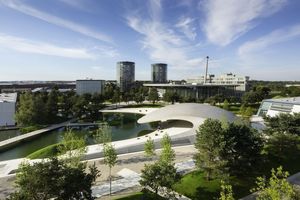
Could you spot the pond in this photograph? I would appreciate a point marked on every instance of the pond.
(124, 126)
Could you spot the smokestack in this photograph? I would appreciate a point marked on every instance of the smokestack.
(207, 57)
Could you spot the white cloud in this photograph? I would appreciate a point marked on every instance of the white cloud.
(185, 24)
(28, 10)
(160, 41)
(275, 37)
(29, 46)
(227, 20)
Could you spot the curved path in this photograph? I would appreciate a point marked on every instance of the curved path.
(179, 136)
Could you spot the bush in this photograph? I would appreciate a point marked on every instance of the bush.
(49, 151)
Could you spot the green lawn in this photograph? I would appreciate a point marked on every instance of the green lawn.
(195, 186)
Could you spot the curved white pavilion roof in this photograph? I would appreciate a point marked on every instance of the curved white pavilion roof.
(192, 112)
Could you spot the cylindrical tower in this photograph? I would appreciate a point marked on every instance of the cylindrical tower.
(125, 75)
(159, 72)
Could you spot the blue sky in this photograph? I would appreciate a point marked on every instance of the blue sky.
(75, 39)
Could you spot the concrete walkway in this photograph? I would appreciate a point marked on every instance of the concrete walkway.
(15, 140)
(131, 179)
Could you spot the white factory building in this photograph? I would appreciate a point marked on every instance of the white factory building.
(90, 86)
(7, 109)
(241, 82)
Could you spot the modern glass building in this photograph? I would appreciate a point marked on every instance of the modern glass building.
(273, 107)
(89, 86)
(125, 75)
(159, 73)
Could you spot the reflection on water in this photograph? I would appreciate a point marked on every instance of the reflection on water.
(124, 126)
(4, 135)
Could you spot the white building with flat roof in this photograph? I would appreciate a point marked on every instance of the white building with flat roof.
(7, 109)
(90, 86)
(223, 79)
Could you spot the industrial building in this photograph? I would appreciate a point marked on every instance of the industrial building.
(273, 107)
(7, 109)
(159, 73)
(90, 86)
(223, 79)
(125, 75)
(195, 91)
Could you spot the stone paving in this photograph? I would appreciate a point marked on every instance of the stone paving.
(131, 179)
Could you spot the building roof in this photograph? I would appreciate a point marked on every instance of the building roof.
(187, 85)
(8, 97)
(290, 100)
(192, 112)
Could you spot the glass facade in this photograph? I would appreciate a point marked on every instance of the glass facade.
(159, 73)
(125, 75)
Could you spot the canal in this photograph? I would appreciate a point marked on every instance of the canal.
(123, 126)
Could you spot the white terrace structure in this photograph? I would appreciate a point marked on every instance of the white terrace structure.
(272, 107)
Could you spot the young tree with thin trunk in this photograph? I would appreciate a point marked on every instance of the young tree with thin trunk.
(72, 148)
(110, 159)
(167, 153)
(103, 134)
(149, 148)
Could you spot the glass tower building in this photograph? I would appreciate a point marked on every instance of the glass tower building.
(125, 75)
(159, 73)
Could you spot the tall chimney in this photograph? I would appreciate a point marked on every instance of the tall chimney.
(206, 69)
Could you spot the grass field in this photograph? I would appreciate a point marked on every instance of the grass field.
(195, 186)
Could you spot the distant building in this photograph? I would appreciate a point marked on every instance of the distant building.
(196, 88)
(89, 86)
(273, 107)
(125, 75)
(195, 91)
(159, 73)
(224, 79)
(7, 109)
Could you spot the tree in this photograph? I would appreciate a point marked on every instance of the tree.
(38, 107)
(210, 144)
(54, 179)
(160, 177)
(280, 146)
(153, 95)
(226, 104)
(103, 134)
(283, 124)
(250, 98)
(242, 110)
(226, 192)
(149, 148)
(171, 97)
(167, 154)
(24, 114)
(248, 112)
(276, 188)
(116, 97)
(72, 148)
(52, 106)
(110, 159)
(242, 150)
